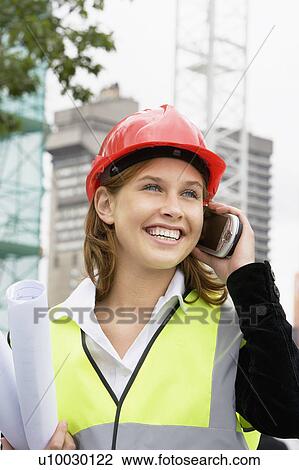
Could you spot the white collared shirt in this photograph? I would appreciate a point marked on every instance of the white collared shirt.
(117, 371)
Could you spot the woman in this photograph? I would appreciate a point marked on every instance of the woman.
(176, 373)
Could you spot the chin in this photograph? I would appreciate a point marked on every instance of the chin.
(163, 264)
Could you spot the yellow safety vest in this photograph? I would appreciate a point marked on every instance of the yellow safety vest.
(181, 394)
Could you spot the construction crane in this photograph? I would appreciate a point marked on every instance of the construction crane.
(210, 82)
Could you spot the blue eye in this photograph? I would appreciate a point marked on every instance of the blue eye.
(150, 186)
(194, 194)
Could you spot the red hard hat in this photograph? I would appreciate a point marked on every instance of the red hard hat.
(154, 130)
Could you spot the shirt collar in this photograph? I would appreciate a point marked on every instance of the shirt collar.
(80, 304)
(174, 292)
(84, 294)
(82, 297)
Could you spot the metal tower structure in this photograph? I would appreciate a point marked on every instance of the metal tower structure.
(210, 83)
(21, 191)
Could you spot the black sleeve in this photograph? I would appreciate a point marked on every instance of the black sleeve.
(267, 381)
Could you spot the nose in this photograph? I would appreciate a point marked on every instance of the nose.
(172, 207)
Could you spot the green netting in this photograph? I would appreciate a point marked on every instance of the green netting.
(21, 190)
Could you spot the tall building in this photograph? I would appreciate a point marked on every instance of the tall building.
(258, 187)
(259, 192)
(74, 144)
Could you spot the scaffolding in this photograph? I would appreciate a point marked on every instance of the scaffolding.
(21, 191)
(210, 83)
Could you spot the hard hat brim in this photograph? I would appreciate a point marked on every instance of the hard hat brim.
(216, 164)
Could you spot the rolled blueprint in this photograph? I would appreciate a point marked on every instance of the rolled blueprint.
(31, 348)
(11, 424)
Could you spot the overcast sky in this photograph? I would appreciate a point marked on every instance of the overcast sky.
(143, 66)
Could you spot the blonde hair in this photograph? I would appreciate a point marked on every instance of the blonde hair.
(100, 253)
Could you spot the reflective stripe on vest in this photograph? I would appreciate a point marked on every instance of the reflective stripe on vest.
(181, 394)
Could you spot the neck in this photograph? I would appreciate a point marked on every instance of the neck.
(136, 288)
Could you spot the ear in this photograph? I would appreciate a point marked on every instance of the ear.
(104, 205)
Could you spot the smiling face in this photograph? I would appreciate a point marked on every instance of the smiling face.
(165, 193)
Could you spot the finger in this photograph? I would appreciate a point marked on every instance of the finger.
(216, 203)
(220, 208)
(69, 443)
(57, 440)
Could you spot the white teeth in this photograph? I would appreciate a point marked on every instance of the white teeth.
(163, 238)
(164, 233)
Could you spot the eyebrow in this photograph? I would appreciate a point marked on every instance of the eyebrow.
(160, 180)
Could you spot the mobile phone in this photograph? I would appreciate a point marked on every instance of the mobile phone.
(220, 233)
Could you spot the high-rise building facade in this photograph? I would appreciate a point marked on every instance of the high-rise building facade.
(259, 192)
(258, 188)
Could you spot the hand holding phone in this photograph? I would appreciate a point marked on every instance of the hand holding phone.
(220, 233)
(244, 249)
